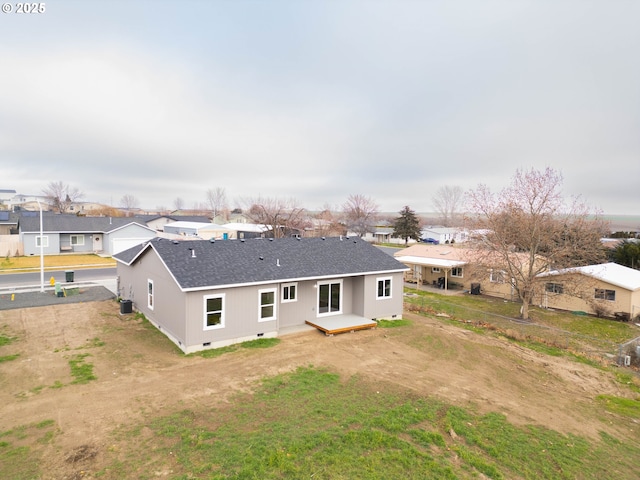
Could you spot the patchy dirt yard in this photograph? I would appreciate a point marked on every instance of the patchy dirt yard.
(141, 374)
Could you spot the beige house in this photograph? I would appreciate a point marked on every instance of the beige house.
(453, 267)
(607, 289)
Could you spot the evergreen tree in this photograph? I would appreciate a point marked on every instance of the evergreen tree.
(407, 225)
(627, 253)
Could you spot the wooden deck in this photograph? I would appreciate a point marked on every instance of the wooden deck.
(341, 324)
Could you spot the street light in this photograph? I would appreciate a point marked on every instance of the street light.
(41, 251)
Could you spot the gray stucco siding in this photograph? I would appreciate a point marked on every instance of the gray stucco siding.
(241, 315)
(383, 307)
(84, 242)
(168, 310)
(302, 309)
(127, 232)
(29, 243)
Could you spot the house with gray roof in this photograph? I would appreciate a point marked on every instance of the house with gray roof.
(208, 294)
(78, 234)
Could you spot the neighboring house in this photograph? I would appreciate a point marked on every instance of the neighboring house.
(204, 231)
(606, 289)
(226, 217)
(85, 208)
(157, 222)
(29, 202)
(455, 266)
(5, 198)
(8, 223)
(207, 294)
(435, 265)
(383, 235)
(71, 233)
(444, 235)
(249, 230)
(10, 245)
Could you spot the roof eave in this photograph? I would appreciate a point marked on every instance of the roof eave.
(289, 280)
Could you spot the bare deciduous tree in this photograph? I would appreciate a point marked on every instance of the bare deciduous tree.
(327, 223)
(361, 214)
(178, 203)
(217, 201)
(529, 229)
(62, 195)
(282, 217)
(446, 201)
(129, 202)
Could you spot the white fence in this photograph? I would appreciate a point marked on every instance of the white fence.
(10, 246)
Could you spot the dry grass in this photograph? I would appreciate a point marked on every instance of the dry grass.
(13, 264)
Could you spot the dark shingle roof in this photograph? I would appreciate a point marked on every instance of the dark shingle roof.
(73, 223)
(256, 260)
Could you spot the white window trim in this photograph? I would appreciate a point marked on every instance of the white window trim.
(384, 279)
(44, 239)
(151, 300)
(79, 240)
(329, 313)
(461, 272)
(435, 269)
(204, 312)
(496, 276)
(275, 304)
(286, 286)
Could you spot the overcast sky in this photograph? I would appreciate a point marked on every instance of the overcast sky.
(319, 99)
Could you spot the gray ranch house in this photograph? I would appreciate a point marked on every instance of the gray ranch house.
(207, 294)
(75, 234)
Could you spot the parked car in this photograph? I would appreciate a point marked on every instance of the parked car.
(430, 240)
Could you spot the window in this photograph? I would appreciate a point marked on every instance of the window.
(603, 294)
(384, 288)
(435, 270)
(150, 294)
(289, 292)
(456, 272)
(42, 241)
(496, 276)
(329, 298)
(267, 304)
(213, 311)
(553, 287)
(77, 239)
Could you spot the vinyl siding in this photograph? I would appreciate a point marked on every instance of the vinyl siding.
(169, 302)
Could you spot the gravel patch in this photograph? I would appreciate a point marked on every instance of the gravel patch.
(40, 299)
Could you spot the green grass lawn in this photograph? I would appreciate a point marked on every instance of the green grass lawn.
(475, 309)
(310, 424)
(314, 424)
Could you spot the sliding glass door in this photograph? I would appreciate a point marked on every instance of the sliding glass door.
(330, 298)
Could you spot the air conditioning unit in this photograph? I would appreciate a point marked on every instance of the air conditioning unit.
(627, 360)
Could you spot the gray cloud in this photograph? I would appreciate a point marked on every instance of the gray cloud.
(319, 100)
